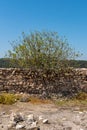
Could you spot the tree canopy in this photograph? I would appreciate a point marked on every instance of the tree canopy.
(41, 50)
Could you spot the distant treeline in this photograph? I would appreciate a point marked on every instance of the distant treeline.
(78, 63)
(6, 63)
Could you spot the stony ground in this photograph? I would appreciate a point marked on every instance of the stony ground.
(59, 118)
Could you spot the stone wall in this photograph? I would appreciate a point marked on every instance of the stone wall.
(37, 81)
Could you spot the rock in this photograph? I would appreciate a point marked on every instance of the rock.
(37, 128)
(3, 113)
(80, 112)
(44, 95)
(28, 127)
(11, 124)
(64, 119)
(40, 118)
(12, 116)
(24, 98)
(77, 120)
(30, 118)
(34, 124)
(45, 121)
(19, 126)
(18, 118)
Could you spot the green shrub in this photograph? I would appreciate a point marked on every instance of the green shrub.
(6, 98)
(42, 50)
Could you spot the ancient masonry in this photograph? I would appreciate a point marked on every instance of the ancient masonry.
(37, 81)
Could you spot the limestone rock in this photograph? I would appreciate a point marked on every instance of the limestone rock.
(19, 126)
(45, 121)
(40, 118)
(24, 98)
(30, 118)
(18, 118)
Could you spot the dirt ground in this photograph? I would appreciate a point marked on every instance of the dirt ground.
(59, 118)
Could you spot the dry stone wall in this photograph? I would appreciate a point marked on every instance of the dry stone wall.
(37, 81)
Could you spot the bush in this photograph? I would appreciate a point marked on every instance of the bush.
(41, 50)
(6, 98)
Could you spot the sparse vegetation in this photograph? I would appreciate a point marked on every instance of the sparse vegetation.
(70, 103)
(81, 96)
(79, 100)
(36, 100)
(6, 98)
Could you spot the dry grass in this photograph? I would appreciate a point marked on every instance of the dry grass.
(36, 100)
(79, 100)
(71, 103)
(7, 98)
(81, 96)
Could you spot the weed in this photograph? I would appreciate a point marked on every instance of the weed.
(6, 98)
(81, 96)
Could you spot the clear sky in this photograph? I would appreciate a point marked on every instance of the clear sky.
(67, 17)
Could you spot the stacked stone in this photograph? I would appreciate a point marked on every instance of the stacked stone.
(37, 81)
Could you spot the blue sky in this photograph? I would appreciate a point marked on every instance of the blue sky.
(67, 17)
